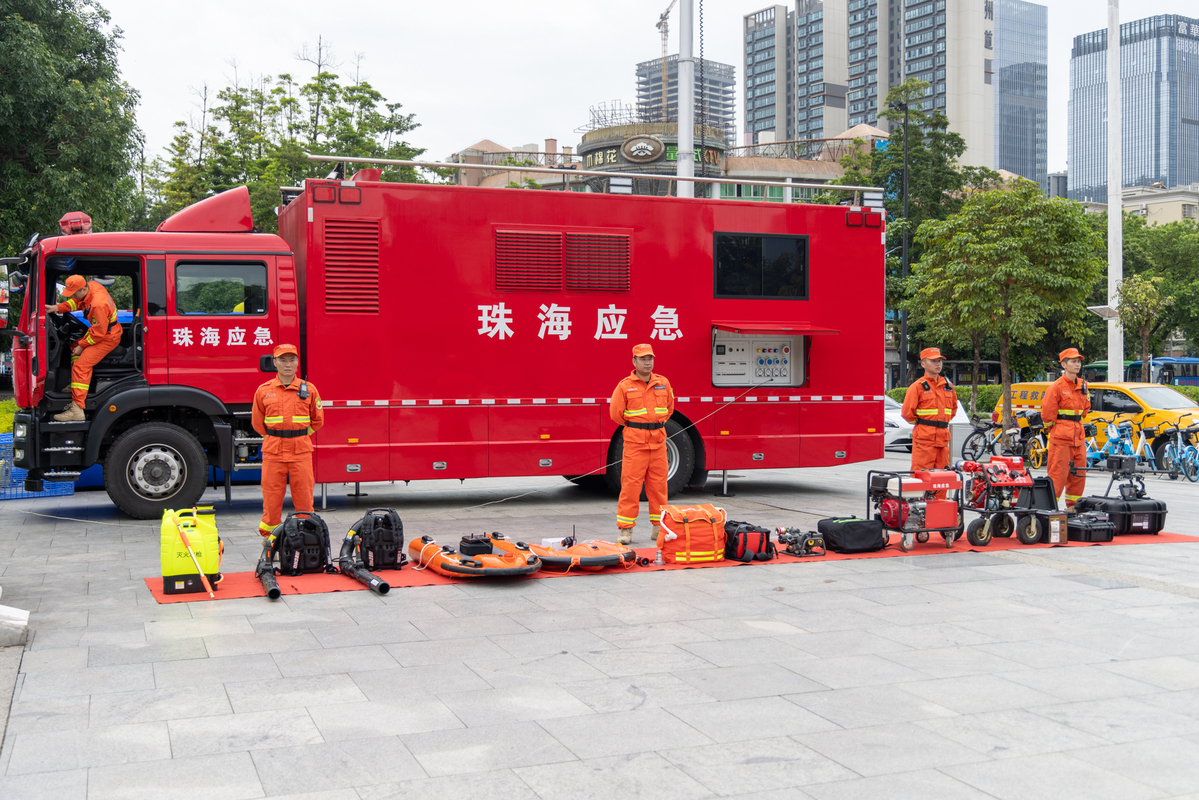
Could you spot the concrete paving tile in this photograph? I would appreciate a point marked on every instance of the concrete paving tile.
(445, 651)
(824, 601)
(884, 749)
(120, 633)
(1048, 776)
(867, 706)
(629, 775)
(264, 695)
(396, 614)
(1019, 627)
(281, 618)
(495, 785)
(521, 703)
(846, 619)
(640, 691)
(146, 652)
(1169, 672)
(51, 751)
(223, 669)
(58, 658)
(1138, 596)
(61, 785)
(925, 636)
(1170, 765)
(742, 628)
(141, 614)
(335, 765)
(47, 714)
(242, 644)
(468, 627)
(995, 693)
(851, 671)
(582, 601)
(1121, 719)
(1186, 702)
(383, 684)
(1010, 734)
(153, 705)
(508, 672)
(519, 744)
(487, 606)
(234, 733)
(649, 634)
(756, 766)
(641, 661)
(953, 662)
(405, 712)
(1041, 653)
(1075, 683)
(294, 663)
(833, 644)
(381, 633)
(647, 611)
(738, 606)
(1128, 644)
(919, 784)
(742, 652)
(229, 776)
(172, 629)
(898, 595)
(325, 602)
(55, 683)
(332, 794)
(740, 683)
(623, 732)
(755, 718)
(525, 645)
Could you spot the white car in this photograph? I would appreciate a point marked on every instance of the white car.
(898, 431)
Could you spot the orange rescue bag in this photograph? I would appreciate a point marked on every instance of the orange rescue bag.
(692, 534)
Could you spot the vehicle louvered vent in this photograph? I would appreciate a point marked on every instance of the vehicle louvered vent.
(597, 262)
(528, 260)
(351, 266)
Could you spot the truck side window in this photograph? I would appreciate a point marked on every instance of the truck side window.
(220, 289)
(752, 265)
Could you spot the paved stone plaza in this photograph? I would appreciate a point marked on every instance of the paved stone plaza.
(1054, 673)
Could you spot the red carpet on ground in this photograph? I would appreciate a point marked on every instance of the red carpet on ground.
(244, 584)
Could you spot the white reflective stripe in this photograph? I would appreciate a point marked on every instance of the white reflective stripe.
(772, 399)
(353, 402)
(408, 402)
(793, 397)
(564, 400)
(837, 397)
(462, 402)
(856, 396)
(729, 399)
(540, 401)
(816, 397)
(488, 402)
(380, 402)
(513, 401)
(592, 399)
(682, 399)
(702, 399)
(434, 402)
(751, 399)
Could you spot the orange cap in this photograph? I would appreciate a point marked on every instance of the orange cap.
(73, 284)
(1069, 352)
(283, 349)
(931, 352)
(642, 350)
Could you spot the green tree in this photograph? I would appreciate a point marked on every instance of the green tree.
(68, 138)
(1013, 258)
(1141, 304)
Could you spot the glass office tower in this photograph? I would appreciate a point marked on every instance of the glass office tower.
(1159, 84)
(1019, 71)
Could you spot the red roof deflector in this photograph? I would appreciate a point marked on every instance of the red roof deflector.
(788, 328)
(227, 212)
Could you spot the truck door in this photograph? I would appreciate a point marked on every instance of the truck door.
(221, 318)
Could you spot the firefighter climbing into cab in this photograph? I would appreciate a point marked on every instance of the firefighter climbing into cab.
(102, 336)
(287, 411)
(929, 405)
(1065, 403)
(642, 403)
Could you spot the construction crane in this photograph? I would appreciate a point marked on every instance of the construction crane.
(664, 26)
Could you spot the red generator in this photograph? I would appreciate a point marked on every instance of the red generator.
(907, 502)
(996, 490)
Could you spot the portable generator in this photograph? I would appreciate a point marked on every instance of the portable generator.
(907, 502)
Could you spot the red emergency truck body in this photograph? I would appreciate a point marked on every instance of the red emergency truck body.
(461, 332)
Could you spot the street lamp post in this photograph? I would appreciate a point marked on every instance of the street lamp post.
(903, 314)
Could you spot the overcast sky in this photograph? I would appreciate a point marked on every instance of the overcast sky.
(516, 72)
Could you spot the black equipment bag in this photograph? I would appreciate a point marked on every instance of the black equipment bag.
(1129, 516)
(852, 535)
(747, 542)
(1090, 526)
(381, 539)
(303, 545)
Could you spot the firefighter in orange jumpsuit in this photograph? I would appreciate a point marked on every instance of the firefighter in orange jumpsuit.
(1063, 407)
(929, 405)
(287, 411)
(642, 403)
(100, 339)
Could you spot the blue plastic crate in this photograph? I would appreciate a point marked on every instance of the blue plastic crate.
(12, 479)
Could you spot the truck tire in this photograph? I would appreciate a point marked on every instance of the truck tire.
(680, 459)
(155, 466)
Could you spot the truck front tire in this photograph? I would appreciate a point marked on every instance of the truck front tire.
(153, 467)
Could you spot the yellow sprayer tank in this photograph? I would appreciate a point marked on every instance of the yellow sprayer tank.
(179, 574)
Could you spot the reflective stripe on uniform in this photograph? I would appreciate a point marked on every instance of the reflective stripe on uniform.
(655, 517)
(273, 419)
(79, 386)
(89, 338)
(629, 520)
(661, 410)
(262, 526)
(301, 419)
(1069, 412)
(636, 412)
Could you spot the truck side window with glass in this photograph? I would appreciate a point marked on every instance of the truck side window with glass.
(755, 266)
(221, 289)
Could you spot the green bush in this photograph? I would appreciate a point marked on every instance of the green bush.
(7, 409)
(1190, 391)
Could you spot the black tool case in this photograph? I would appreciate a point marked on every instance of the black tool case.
(1129, 516)
(1090, 526)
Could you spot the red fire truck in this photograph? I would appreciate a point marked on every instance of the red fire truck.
(460, 332)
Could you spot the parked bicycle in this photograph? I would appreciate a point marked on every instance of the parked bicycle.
(1031, 444)
(1143, 449)
(986, 439)
(1175, 454)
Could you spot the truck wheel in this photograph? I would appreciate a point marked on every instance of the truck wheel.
(153, 467)
(680, 459)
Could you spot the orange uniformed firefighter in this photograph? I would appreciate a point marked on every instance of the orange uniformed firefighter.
(929, 405)
(287, 411)
(100, 339)
(642, 403)
(1063, 407)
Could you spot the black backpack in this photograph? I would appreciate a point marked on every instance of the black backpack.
(746, 542)
(380, 539)
(851, 535)
(303, 545)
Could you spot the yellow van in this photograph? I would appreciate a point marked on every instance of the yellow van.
(1147, 404)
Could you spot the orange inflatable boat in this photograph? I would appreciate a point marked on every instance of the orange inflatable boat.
(490, 555)
(590, 556)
